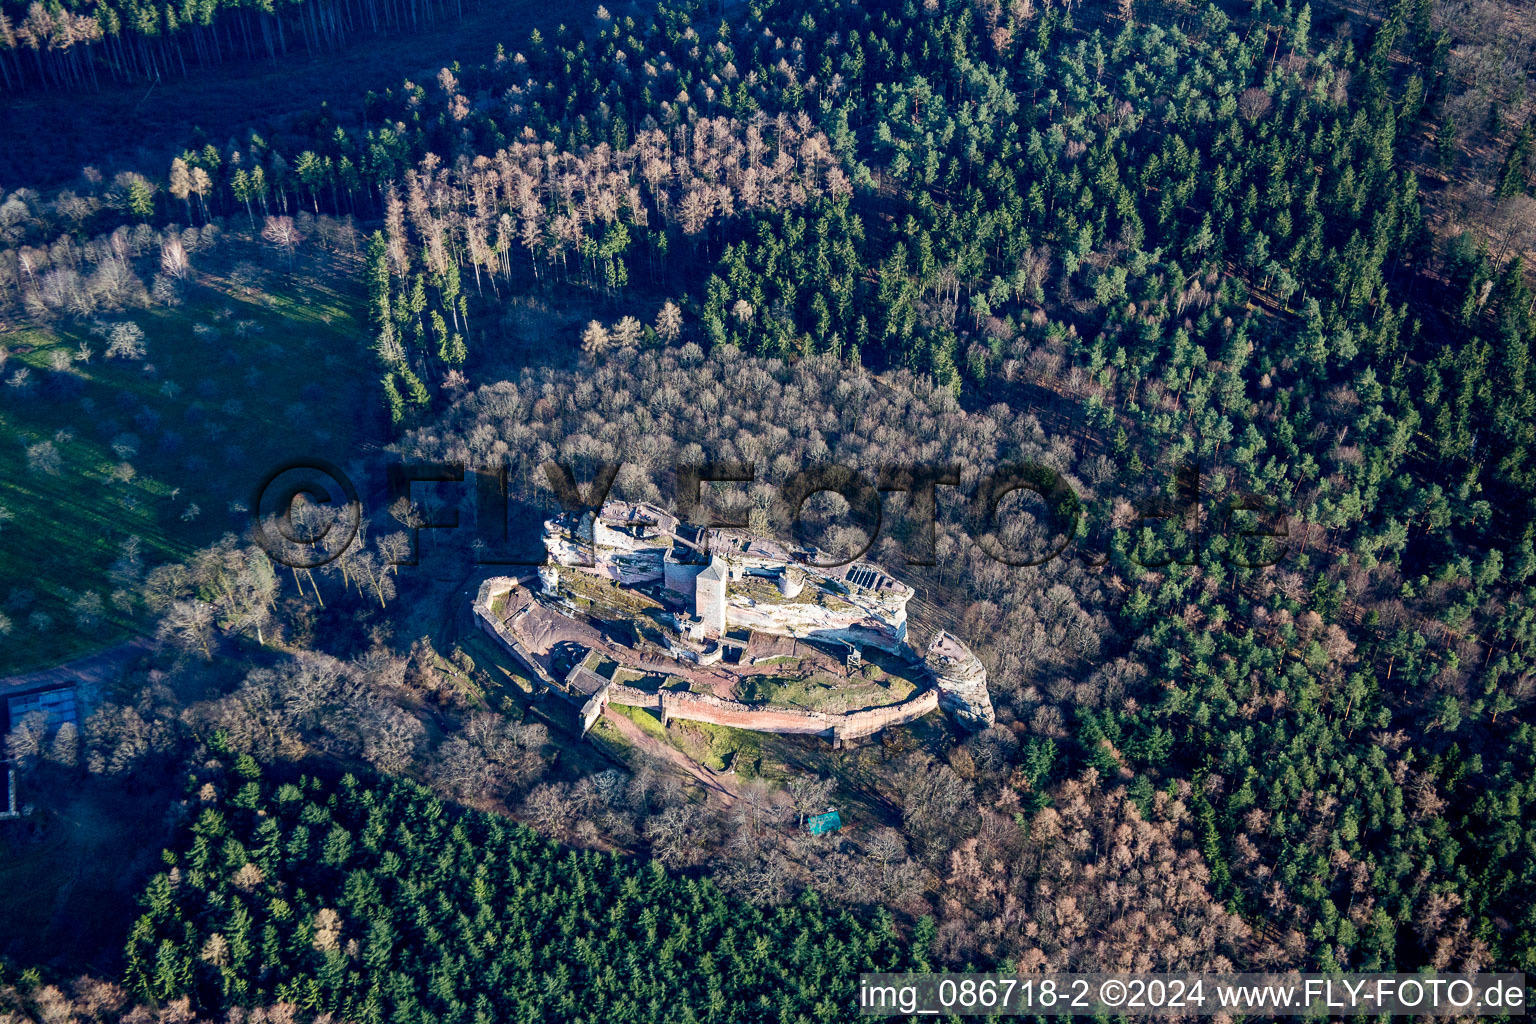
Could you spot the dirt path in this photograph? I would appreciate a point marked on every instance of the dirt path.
(92, 670)
(719, 788)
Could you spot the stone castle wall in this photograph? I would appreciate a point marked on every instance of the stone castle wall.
(492, 624)
(698, 707)
(679, 578)
(630, 559)
(702, 707)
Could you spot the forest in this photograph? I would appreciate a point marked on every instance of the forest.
(1215, 266)
(56, 45)
(444, 915)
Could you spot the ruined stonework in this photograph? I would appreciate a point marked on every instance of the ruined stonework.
(498, 626)
(709, 597)
(702, 707)
(730, 579)
(961, 680)
(502, 603)
(716, 586)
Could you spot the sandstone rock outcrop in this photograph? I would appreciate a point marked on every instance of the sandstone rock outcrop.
(961, 680)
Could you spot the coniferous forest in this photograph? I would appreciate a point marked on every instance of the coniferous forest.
(77, 45)
(1254, 281)
(378, 902)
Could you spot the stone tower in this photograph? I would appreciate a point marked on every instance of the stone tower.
(709, 596)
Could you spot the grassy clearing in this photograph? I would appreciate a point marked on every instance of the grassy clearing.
(166, 449)
(645, 718)
(830, 694)
(602, 665)
(605, 736)
(501, 678)
(719, 746)
(715, 746)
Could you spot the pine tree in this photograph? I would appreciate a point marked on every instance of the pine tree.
(1513, 175)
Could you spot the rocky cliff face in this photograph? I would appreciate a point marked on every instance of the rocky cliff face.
(843, 620)
(961, 680)
(630, 562)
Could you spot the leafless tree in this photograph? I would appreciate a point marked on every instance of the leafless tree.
(626, 333)
(87, 609)
(173, 257)
(43, 457)
(669, 321)
(118, 738)
(678, 833)
(188, 626)
(125, 341)
(595, 339)
(64, 748)
(24, 743)
(281, 232)
(391, 737)
(810, 795)
(1254, 103)
(547, 805)
(757, 808)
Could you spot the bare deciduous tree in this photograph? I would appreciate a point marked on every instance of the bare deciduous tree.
(188, 626)
(24, 743)
(281, 232)
(626, 333)
(1254, 103)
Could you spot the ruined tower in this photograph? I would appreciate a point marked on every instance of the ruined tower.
(709, 596)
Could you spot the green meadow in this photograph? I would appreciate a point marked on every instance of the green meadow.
(114, 465)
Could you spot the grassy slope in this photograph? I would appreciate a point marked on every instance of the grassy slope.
(214, 415)
(820, 692)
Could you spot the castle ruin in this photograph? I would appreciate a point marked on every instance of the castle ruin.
(723, 595)
(726, 579)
